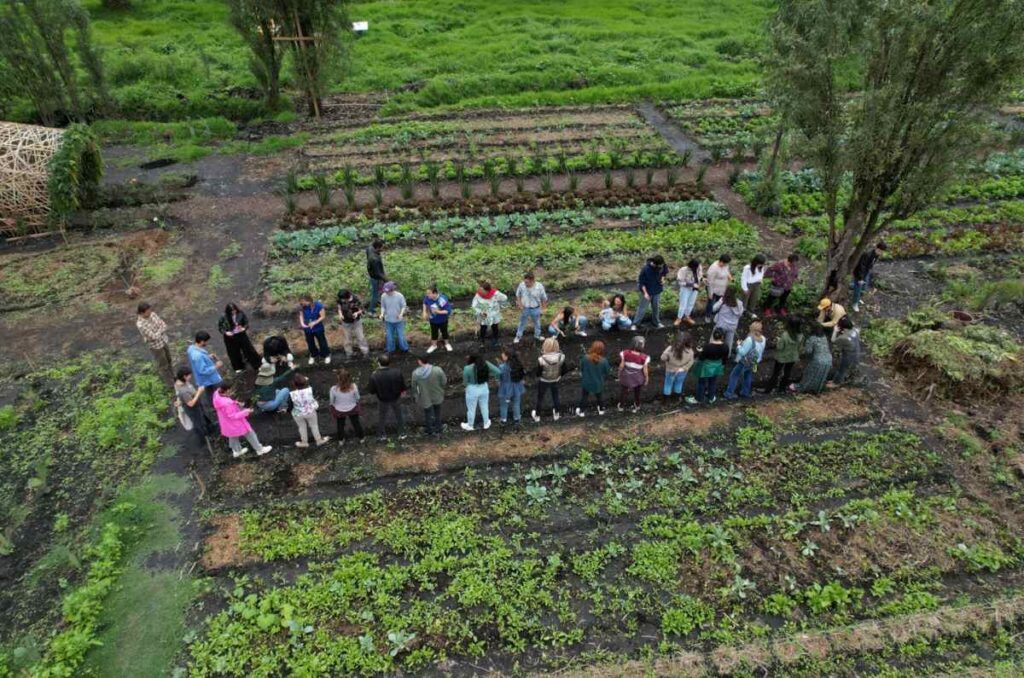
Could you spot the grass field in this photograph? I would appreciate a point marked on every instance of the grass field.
(174, 59)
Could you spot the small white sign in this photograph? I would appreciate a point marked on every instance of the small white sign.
(360, 26)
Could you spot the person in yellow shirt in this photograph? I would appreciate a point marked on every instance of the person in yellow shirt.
(829, 314)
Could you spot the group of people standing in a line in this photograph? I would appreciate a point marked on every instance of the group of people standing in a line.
(205, 396)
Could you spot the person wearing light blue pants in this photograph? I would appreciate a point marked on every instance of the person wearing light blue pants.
(475, 375)
(392, 310)
(511, 386)
(532, 299)
(748, 355)
(566, 322)
(279, 401)
(689, 279)
(614, 314)
(678, 359)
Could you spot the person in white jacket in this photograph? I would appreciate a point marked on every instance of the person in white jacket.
(750, 282)
(689, 279)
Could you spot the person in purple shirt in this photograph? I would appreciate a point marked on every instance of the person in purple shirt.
(651, 283)
(311, 317)
(437, 309)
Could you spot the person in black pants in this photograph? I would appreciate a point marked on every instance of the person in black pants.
(234, 326)
(388, 384)
(375, 271)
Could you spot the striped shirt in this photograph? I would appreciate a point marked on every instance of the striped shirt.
(153, 330)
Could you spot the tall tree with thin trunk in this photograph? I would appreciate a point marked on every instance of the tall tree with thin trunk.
(893, 94)
(319, 28)
(255, 22)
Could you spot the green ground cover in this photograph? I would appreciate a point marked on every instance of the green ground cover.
(177, 59)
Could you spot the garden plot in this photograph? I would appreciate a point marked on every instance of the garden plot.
(571, 249)
(736, 127)
(696, 539)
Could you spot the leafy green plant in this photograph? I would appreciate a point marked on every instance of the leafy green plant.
(74, 171)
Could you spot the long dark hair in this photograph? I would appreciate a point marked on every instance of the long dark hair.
(793, 327)
(567, 313)
(730, 297)
(757, 262)
(683, 341)
(231, 307)
(694, 265)
(512, 357)
(480, 368)
(344, 380)
(619, 296)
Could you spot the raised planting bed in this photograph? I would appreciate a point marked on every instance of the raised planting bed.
(726, 125)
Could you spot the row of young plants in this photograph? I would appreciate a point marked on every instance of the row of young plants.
(474, 568)
(568, 260)
(725, 126)
(494, 227)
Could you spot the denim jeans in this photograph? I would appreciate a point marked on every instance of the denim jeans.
(706, 388)
(316, 341)
(641, 309)
(394, 333)
(477, 396)
(687, 299)
(674, 383)
(859, 287)
(375, 288)
(432, 420)
(623, 323)
(280, 398)
(740, 373)
(582, 322)
(527, 315)
(709, 307)
(516, 400)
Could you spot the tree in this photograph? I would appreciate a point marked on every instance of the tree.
(892, 95)
(36, 55)
(254, 21)
(319, 55)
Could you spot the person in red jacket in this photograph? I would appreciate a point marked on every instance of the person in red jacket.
(781, 277)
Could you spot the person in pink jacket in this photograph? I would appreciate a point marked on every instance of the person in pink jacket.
(234, 422)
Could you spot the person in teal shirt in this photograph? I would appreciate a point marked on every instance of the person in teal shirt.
(594, 371)
(475, 375)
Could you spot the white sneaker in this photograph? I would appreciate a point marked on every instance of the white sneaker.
(636, 409)
(239, 371)
(516, 340)
(466, 427)
(263, 450)
(433, 347)
(448, 346)
(487, 424)
(312, 360)
(301, 444)
(632, 328)
(291, 358)
(600, 412)
(535, 416)
(555, 415)
(327, 360)
(325, 439)
(856, 308)
(619, 407)
(580, 333)
(242, 452)
(579, 412)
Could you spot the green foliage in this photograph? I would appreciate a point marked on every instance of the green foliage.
(75, 171)
(981, 557)
(8, 418)
(685, 614)
(832, 597)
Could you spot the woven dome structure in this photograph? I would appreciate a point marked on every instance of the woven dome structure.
(25, 154)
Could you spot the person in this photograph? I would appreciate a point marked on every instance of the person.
(475, 375)
(709, 367)
(819, 362)
(829, 315)
(486, 307)
(748, 357)
(350, 313)
(388, 384)
(205, 367)
(375, 269)
(234, 421)
(728, 311)
(847, 344)
(189, 396)
(304, 408)
(678, 359)
(550, 368)
(634, 372)
(233, 326)
(392, 311)
(862, 272)
(532, 299)
(511, 386)
(614, 315)
(271, 392)
(781, 275)
(437, 310)
(568, 321)
(345, 405)
(311, 318)
(688, 279)
(717, 278)
(651, 282)
(594, 371)
(154, 335)
(750, 282)
(787, 352)
(428, 384)
(276, 352)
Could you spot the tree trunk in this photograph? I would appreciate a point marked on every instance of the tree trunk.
(842, 255)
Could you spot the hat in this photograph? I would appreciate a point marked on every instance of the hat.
(390, 286)
(824, 303)
(265, 376)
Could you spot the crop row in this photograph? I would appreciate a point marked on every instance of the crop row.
(588, 257)
(493, 227)
(461, 569)
(726, 126)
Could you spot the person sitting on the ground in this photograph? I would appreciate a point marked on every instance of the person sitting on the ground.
(271, 393)
(277, 352)
(568, 321)
(614, 314)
